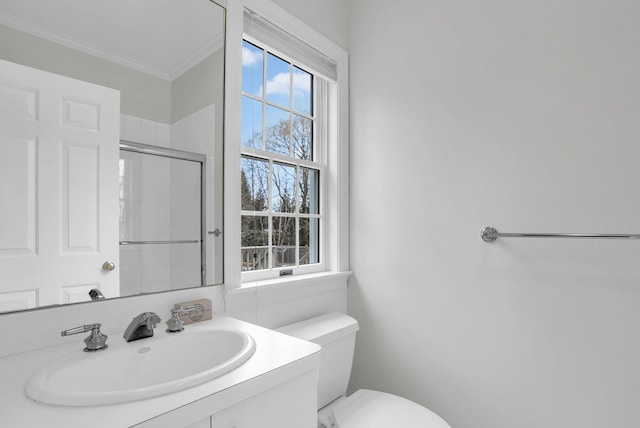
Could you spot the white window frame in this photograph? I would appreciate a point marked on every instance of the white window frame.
(335, 193)
(318, 163)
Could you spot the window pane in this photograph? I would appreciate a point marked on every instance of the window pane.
(280, 198)
(302, 130)
(283, 188)
(278, 80)
(309, 241)
(252, 69)
(284, 241)
(251, 123)
(309, 182)
(302, 90)
(254, 184)
(255, 242)
(277, 130)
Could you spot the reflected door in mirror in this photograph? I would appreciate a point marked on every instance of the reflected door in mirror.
(58, 218)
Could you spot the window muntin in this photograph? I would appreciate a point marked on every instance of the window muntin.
(252, 66)
(309, 188)
(251, 123)
(278, 80)
(255, 242)
(281, 177)
(302, 96)
(277, 130)
(254, 184)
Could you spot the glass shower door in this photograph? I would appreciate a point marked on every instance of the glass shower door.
(161, 245)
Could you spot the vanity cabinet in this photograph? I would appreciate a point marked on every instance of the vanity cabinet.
(203, 423)
(289, 405)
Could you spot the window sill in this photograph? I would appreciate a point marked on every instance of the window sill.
(288, 281)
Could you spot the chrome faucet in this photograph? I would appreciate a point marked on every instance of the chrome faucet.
(96, 340)
(175, 324)
(141, 326)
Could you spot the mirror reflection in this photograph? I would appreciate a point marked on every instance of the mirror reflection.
(111, 121)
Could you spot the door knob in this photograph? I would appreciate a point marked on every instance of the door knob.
(108, 266)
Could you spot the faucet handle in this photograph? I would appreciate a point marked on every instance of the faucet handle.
(96, 341)
(175, 324)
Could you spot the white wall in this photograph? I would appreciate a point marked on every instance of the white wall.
(329, 17)
(523, 116)
(273, 304)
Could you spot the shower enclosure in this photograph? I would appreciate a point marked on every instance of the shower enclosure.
(162, 202)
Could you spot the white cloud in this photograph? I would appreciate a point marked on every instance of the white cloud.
(250, 57)
(301, 83)
(279, 85)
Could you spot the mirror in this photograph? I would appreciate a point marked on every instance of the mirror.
(111, 149)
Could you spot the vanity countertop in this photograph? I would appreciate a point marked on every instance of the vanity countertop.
(277, 358)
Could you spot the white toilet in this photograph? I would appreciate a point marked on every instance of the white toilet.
(336, 333)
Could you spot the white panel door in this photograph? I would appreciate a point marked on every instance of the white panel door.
(59, 140)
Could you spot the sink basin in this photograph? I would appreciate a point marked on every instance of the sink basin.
(141, 369)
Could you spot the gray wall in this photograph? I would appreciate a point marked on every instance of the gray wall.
(199, 87)
(141, 94)
(520, 115)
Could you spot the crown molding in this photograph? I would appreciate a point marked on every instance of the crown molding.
(198, 56)
(126, 61)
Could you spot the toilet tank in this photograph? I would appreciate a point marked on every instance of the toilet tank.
(336, 334)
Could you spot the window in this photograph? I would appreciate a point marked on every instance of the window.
(282, 165)
(288, 148)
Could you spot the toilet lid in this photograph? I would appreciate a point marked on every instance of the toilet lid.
(373, 409)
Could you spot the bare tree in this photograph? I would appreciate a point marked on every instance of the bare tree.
(292, 138)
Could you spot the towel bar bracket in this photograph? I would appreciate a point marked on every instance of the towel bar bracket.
(490, 234)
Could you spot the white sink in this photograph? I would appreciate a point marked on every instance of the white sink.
(141, 369)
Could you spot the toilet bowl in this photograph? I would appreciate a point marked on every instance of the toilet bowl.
(336, 333)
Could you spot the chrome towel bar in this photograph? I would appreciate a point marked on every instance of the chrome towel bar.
(195, 241)
(490, 234)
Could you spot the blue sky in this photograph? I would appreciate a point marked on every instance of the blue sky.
(278, 88)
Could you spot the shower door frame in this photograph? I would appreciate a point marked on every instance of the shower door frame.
(147, 149)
